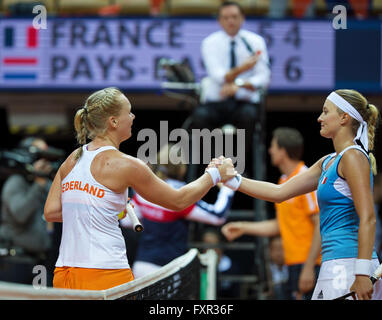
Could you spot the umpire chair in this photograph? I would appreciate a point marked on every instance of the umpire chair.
(179, 83)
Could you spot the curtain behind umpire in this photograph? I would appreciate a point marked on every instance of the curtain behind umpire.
(24, 237)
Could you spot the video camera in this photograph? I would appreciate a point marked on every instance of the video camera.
(21, 161)
(175, 71)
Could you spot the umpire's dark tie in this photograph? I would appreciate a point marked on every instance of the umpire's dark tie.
(233, 55)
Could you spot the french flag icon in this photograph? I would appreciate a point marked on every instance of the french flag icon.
(324, 180)
(31, 37)
(13, 62)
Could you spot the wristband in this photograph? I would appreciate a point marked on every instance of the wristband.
(234, 183)
(215, 175)
(362, 267)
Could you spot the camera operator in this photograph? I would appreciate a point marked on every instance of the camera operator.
(24, 234)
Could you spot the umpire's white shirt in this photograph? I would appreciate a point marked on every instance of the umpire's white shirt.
(215, 50)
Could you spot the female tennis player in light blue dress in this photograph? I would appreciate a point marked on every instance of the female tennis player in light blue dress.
(343, 181)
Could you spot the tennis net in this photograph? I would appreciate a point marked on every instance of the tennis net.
(189, 277)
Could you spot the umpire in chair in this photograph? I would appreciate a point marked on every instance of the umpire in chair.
(238, 72)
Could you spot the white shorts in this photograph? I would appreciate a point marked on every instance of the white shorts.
(142, 268)
(337, 276)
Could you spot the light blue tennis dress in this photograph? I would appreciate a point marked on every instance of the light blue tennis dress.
(339, 225)
(339, 220)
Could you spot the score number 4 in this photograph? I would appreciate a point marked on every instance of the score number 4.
(292, 70)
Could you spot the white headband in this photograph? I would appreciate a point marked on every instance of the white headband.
(362, 133)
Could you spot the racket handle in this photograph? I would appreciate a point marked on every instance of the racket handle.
(133, 218)
(345, 296)
(377, 274)
(373, 280)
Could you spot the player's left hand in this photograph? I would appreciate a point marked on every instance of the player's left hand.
(307, 279)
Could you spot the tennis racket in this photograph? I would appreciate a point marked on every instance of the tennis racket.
(137, 225)
(133, 217)
(376, 275)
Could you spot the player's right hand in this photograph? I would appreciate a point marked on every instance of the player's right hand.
(363, 287)
(226, 169)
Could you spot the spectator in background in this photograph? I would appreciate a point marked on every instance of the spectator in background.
(378, 212)
(355, 8)
(225, 266)
(278, 268)
(277, 9)
(23, 227)
(237, 65)
(297, 220)
(300, 8)
(303, 8)
(155, 7)
(166, 231)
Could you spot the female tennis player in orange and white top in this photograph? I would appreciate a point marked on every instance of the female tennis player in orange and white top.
(88, 193)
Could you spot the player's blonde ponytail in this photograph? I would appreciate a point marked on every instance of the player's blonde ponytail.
(369, 113)
(90, 120)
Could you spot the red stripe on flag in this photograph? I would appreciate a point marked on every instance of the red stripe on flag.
(32, 38)
(324, 180)
(20, 60)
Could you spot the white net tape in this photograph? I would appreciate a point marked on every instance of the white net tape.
(28, 292)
